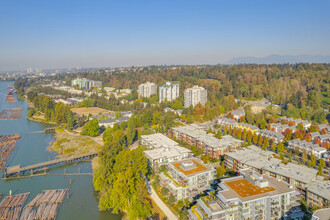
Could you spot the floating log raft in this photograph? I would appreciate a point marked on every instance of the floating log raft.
(7, 145)
(47, 203)
(9, 114)
(11, 206)
(10, 97)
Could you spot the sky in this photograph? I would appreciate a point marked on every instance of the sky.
(68, 33)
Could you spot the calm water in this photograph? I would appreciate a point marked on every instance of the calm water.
(83, 203)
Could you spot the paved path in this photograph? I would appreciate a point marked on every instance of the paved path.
(170, 215)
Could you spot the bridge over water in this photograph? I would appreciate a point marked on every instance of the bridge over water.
(21, 171)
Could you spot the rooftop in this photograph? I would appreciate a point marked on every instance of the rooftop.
(322, 214)
(242, 189)
(159, 140)
(191, 167)
(321, 188)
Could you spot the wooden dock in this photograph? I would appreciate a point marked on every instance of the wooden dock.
(29, 170)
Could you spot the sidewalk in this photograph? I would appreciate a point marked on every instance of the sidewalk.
(170, 215)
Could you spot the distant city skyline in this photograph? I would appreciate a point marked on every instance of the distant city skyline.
(62, 34)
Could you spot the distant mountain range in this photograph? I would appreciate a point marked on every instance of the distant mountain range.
(278, 59)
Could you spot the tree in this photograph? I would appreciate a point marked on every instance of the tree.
(313, 128)
(70, 120)
(184, 214)
(300, 126)
(249, 136)
(91, 128)
(244, 135)
(313, 161)
(220, 172)
(313, 99)
(131, 133)
(266, 143)
(31, 112)
(164, 191)
(280, 147)
(288, 133)
(260, 140)
(255, 138)
(171, 200)
(304, 157)
(273, 146)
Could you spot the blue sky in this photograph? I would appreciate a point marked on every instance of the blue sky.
(69, 33)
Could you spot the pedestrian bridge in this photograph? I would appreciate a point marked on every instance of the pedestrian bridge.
(29, 170)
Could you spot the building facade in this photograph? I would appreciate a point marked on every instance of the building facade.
(168, 92)
(147, 89)
(195, 95)
(249, 196)
(84, 83)
(187, 178)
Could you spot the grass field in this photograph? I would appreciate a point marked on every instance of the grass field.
(91, 110)
(66, 144)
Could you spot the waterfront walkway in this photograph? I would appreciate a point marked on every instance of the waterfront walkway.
(170, 215)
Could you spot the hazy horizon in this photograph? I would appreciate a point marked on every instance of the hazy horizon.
(63, 34)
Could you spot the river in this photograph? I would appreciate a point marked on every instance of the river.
(82, 203)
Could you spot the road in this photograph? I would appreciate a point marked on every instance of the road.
(170, 215)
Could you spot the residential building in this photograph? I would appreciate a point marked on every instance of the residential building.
(84, 83)
(300, 177)
(308, 147)
(195, 135)
(248, 196)
(321, 214)
(162, 150)
(147, 89)
(177, 111)
(227, 122)
(276, 136)
(168, 92)
(195, 95)
(107, 123)
(318, 194)
(237, 114)
(187, 178)
(110, 122)
(247, 126)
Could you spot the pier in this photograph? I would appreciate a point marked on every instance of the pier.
(30, 170)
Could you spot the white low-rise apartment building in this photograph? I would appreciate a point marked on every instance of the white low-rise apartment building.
(162, 150)
(308, 147)
(277, 136)
(300, 177)
(248, 196)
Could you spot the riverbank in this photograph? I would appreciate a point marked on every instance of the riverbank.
(66, 144)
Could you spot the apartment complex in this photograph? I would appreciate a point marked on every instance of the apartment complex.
(168, 92)
(187, 178)
(195, 95)
(318, 194)
(300, 177)
(308, 147)
(162, 150)
(195, 135)
(84, 83)
(147, 89)
(249, 196)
